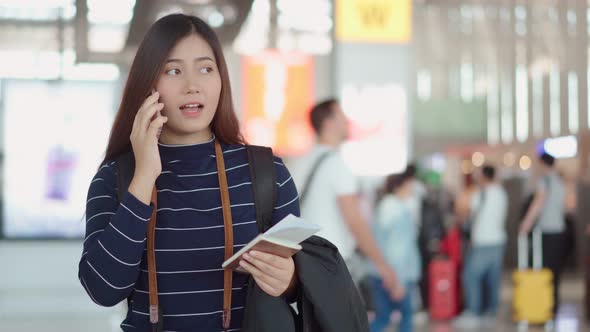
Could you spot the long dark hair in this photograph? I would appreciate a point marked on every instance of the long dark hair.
(149, 60)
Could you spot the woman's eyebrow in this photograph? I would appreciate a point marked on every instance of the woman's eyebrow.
(198, 59)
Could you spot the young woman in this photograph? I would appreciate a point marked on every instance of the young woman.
(397, 237)
(176, 105)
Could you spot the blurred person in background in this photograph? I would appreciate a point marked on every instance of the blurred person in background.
(546, 212)
(570, 205)
(329, 193)
(414, 201)
(483, 266)
(436, 205)
(463, 198)
(397, 237)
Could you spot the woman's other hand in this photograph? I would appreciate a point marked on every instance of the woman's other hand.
(274, 274)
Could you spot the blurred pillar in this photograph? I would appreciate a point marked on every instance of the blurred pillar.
(441, 70)
(455, 56)
(373, 68)
(510, 71)
(581, 68)
(546, 105)
(81, 29)
(506, 60)
(273, 33)
(564, 65)
(529, 61)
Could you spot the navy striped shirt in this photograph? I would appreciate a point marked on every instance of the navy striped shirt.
(189, 238)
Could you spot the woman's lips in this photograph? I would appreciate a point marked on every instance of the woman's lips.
(191, 112)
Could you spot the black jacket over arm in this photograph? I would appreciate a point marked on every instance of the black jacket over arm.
(328, 300)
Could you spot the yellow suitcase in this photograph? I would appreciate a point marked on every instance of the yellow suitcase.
(533, 287)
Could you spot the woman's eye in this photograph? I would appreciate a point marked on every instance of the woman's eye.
(206, 70)
(173, 72)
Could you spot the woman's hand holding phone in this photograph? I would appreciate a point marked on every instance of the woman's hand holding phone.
(144, 140)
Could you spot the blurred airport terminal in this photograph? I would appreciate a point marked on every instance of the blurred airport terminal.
(446, 86)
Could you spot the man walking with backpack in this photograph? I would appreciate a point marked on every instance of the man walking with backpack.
(329, 194)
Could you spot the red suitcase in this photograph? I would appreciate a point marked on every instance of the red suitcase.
(443, 292)
(451, 246)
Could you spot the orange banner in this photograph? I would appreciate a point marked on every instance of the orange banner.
(277, 92)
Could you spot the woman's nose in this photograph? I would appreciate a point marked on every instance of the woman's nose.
(192, 85)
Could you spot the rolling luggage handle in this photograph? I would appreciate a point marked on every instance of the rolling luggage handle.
(523, 253)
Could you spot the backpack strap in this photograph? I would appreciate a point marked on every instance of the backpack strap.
(264, 179)
(125, 165)
(311, 176)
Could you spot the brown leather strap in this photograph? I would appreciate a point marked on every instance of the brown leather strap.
(229, 235)
(151, 256)
(155, 315)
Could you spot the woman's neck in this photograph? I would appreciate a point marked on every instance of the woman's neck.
(196, 138)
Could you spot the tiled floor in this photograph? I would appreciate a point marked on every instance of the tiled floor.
(70, 310)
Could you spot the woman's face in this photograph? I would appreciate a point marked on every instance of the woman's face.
(189, 86)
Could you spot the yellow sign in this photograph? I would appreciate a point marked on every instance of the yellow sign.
(381, 21)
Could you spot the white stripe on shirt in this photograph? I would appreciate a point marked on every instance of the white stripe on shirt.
(184, 272)
(203, 210)
(189, 292)
(282, 206)
(231, 169)
(282, 184)
(186, 315)
(210, 173)
(127, 237)
(99, 214)
(103, 196)
(195, 175)
(238, 149)
(202, 228)
(228, 151)
(89, 235)
(197, 249)
(103, 279)
(133, 213)
(115, 258)
(202, 189)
